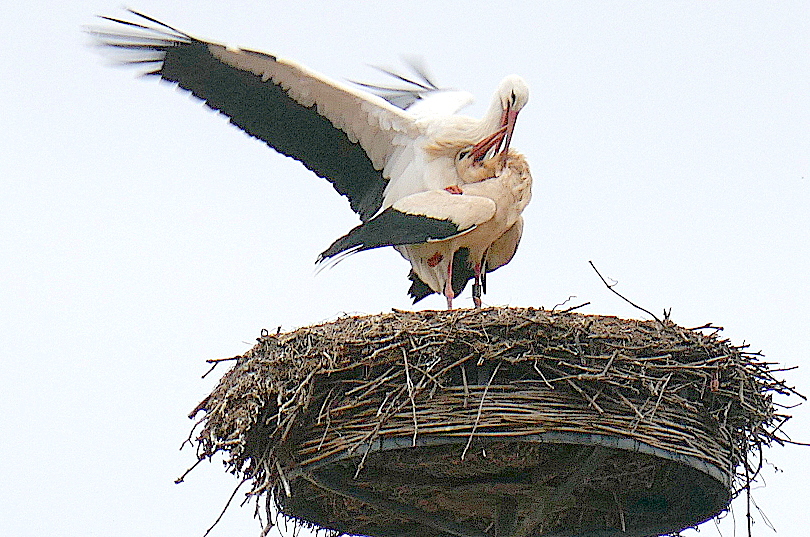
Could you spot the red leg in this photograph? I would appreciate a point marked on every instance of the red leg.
(448, 286)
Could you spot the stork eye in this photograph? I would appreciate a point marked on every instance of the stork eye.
(514, 99)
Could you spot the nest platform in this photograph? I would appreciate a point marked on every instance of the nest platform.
(498, 422)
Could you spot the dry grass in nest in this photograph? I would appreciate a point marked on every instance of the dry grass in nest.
(526, 421)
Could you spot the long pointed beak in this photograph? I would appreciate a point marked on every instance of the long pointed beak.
(479, 150)
(499, 139)
(508, 122)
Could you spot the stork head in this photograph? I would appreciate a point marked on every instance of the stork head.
(467, 167)
(510, 98)
(513, 93)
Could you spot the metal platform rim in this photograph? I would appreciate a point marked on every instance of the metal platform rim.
(549, 437)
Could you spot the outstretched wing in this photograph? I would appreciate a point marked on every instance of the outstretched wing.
(341, 133)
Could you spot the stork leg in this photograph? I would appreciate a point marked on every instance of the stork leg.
(448, 285)
(476, 289)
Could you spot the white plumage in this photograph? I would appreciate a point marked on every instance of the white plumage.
(392, 164)
(488, 211)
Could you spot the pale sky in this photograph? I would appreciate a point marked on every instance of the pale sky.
(140, 234)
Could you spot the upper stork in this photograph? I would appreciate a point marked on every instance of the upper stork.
(394, 155)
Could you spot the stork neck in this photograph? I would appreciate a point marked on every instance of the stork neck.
(492, 120)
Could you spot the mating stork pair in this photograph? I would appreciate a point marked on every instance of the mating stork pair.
(444, 189)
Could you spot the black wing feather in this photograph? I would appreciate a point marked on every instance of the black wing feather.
(260, 108)
(403, 96)
(391, 228)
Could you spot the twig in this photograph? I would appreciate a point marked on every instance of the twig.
(182, 477)
(266, 530)
(563, 303)
(627, 402)
(610, 363)
(660, 395)
(648, 312)
(209, 371)
(283, 478)
(410, 395)
(189, 440)
(227, 504)
(542, 376)
(466, 388)
(480, 407)
(748, 496)
(216, 361)
(591, 400)
(572, 308)
(793, 442)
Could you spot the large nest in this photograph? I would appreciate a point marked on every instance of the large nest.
(501, 421)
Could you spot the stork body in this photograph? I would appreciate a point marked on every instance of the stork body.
(509, 191)
(374, 152)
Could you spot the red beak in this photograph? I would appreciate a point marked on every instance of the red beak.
(480, 149)
(508, 121)
(501, 136)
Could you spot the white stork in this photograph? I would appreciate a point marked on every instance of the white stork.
(423, 179)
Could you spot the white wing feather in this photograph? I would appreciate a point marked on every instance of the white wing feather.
(365, 118)
(462, 210)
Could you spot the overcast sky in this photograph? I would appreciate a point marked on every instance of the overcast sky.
(140, 234)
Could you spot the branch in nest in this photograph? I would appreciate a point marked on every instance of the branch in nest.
(609, 286)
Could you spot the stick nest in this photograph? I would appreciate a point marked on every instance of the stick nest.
(503, 421)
